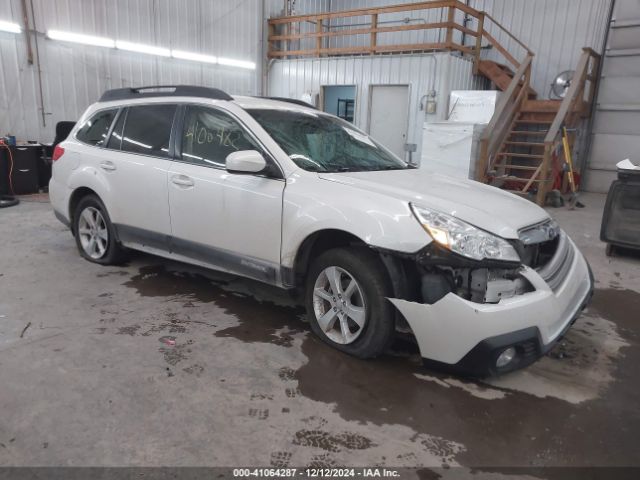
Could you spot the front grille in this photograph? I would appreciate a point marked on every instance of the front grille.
(528, 350)
(545, 248)
(556, 270)
(539, 243)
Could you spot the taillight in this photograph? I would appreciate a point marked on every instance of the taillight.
(57, 153)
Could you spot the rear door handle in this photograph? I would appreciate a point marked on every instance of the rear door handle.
(109, 166)
(182, 181)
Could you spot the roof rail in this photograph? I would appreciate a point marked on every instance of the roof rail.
(290, 100)
(164, 91)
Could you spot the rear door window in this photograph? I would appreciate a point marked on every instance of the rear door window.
(115, 140)
(95, 130)
(147, 129)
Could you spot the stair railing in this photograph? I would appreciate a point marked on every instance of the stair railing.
(313, 34)
(484, 21)
(576, 104)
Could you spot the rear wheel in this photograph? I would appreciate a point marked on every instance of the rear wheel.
(94, 233)
(346, 300)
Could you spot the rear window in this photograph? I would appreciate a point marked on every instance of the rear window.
(95, 130)
(147, 129)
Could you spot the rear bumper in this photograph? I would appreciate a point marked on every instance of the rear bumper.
(467, 337)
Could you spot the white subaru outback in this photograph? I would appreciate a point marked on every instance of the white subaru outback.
(281, 193)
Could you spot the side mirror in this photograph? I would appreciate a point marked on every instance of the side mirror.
(245, 161)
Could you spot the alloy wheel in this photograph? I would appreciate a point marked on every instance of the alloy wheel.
(338, 304)
(93, 232)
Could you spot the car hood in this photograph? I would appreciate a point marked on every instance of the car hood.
(486, 207)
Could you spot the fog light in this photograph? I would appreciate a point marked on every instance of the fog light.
(506, 357)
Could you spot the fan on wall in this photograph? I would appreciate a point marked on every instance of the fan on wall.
(561, 84)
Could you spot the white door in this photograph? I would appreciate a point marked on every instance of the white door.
(229, 221)
(388, 116)
(135, 164)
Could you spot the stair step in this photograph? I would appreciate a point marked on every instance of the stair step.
(519, 155)
(535, 122)
(516, 167)
(517, 192)
(541, 106)
(528, 132)
(525, 144)
(500, 75)
(511, 178)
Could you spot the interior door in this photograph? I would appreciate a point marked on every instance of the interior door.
(229, 221)
(388, 116)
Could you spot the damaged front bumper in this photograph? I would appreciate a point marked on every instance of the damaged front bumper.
(467, 337)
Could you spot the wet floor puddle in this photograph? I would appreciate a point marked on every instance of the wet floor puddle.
(529, 423)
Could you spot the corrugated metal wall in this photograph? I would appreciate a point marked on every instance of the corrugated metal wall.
(616, 122)
(555, 30)
(73, 75)
(441, 72)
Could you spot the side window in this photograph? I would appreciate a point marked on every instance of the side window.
(147, 129)
(95, 130)
(115, 141)
(210, 135)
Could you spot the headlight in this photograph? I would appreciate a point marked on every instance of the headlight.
(463, 238)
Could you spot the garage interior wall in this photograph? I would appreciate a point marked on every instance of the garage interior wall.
(441, 72)
(615, 135)
(74, 76)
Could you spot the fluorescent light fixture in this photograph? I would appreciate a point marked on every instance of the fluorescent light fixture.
(140, 48)
(196, 57)
(135, 47)
(9, 27)
(236, 63)
(78, 38)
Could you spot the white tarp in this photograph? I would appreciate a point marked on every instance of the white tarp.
(450, 148)
(472, 106)
(627, 165)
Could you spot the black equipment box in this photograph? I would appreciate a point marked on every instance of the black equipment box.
(24, 174)
(4, 171)
(621, 217)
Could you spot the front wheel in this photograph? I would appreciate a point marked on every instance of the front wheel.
(346, 300)
(94, 232)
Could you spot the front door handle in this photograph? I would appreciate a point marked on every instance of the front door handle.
(182, 181)
(109, 166)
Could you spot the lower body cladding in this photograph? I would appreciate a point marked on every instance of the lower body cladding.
(527, 316)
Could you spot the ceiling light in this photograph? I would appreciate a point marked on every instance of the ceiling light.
(237, 63)
(78, 38)
(9, 27)
(140, 48)
(196, 57)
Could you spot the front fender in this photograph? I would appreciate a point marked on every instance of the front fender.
(312, 205)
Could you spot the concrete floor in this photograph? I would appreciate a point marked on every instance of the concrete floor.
(88, 375)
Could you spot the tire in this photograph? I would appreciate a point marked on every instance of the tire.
(8, 201)
(366, 300)
(105, 250)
